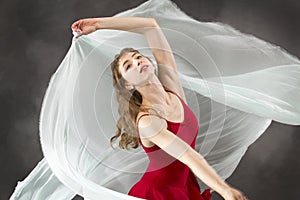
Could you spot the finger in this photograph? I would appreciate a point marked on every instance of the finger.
(75, 25)
(79, 34)
(74, 28)
(241, 197)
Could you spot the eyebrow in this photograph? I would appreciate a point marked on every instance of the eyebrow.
(131, 56)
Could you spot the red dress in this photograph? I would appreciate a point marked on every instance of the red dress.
(166, 178)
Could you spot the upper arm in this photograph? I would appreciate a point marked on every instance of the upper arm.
(154, 128)
(161, 50)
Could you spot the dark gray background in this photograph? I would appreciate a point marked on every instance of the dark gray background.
(35, 36)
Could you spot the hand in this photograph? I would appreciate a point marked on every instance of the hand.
(234, 194)
(85, 26)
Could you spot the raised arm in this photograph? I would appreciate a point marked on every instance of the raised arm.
(155, 129)
(167, 70)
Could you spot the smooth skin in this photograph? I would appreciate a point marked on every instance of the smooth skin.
(153, 129)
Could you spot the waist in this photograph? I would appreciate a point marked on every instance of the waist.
(175, 175)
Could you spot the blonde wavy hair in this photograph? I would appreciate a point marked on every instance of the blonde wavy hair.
(129, 105)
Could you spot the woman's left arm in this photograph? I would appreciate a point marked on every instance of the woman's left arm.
(161, 50)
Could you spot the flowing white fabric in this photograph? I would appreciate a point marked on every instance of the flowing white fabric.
(235, 83)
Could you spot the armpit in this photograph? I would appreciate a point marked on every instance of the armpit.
(170, 79)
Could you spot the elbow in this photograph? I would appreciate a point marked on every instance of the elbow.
(153, 22)
(152, 27)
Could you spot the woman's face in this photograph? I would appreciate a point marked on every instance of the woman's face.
(135, 68)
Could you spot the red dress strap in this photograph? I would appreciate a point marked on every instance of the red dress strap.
(174, 93)
(170, 91)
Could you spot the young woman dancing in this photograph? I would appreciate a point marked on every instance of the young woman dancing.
(153, 111)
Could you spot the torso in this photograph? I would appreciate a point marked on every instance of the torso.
(170, 115)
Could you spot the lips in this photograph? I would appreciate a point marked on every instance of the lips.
(143, 67)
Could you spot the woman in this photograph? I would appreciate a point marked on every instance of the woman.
(134, 79)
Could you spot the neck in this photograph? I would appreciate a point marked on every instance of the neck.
(154, 94)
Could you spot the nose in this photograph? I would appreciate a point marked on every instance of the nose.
(139, 62)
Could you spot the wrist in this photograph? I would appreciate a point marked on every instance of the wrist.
(225, 190)
(98, 23)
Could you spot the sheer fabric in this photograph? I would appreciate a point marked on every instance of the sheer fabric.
(235, 83)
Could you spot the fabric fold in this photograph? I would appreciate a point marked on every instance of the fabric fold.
(41, 183)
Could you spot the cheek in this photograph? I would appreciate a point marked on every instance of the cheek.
(132, 76)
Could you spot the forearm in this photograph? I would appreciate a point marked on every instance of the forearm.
(206, 173)
(133, 24)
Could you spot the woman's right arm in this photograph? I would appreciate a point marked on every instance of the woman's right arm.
(132, 24)
(160, 48)
(155, 129)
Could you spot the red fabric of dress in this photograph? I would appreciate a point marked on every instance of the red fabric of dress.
(166, 178)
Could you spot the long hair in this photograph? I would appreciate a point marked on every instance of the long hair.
(129, 105)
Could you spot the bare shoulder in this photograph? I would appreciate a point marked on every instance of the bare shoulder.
(150, 124)
(139, 115)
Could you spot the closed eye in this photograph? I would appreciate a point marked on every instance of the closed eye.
(128, 66)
